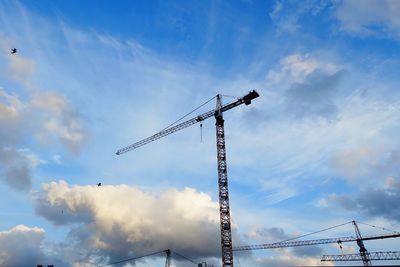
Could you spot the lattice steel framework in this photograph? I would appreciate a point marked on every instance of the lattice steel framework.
(224, 210)
(375, 256)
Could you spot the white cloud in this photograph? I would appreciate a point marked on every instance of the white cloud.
(373, 201)
(21, 68)
(296, 67)
(19, 239)
(15, 169)
(57, 159)
(120, 221)
(321, 203)
(32, 158)
(286, 14)
(369, 17)
(9, 110)
(47, 117)
(287, 258)
(22, 246)
(42, 115)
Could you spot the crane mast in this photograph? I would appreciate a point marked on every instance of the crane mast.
(363, 251)
(168, 258)
(224, 209)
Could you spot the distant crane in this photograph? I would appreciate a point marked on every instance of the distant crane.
(224, 210)
(364, 255)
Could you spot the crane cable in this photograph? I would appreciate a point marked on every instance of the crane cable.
(231, 96)
(329, 228)
(186, 258)
(187, 114)
(132, 259)
(385, 229)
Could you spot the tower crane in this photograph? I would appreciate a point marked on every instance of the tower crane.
(224, 209)
(363, 255)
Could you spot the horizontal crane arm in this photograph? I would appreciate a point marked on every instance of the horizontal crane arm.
(245, 99)
(383, 256)
(295, 243)
(166, 132)
(311, 242)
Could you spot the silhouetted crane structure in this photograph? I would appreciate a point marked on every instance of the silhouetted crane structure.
(363, 255)
(224, 209)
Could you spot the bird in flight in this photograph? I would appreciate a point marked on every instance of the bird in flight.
(13, 50)
(99, 184)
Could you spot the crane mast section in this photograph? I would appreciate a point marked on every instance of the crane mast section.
(311, 242)
(243, 100)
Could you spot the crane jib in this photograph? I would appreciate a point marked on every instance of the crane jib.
(243, 100)
(311, 242)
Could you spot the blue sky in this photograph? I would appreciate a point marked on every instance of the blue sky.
(318, 148)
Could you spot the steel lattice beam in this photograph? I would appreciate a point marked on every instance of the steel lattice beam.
(285, 244)
(384, 256)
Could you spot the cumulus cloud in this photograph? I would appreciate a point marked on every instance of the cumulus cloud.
(370, 17)
(22, 246)
(121, 221)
